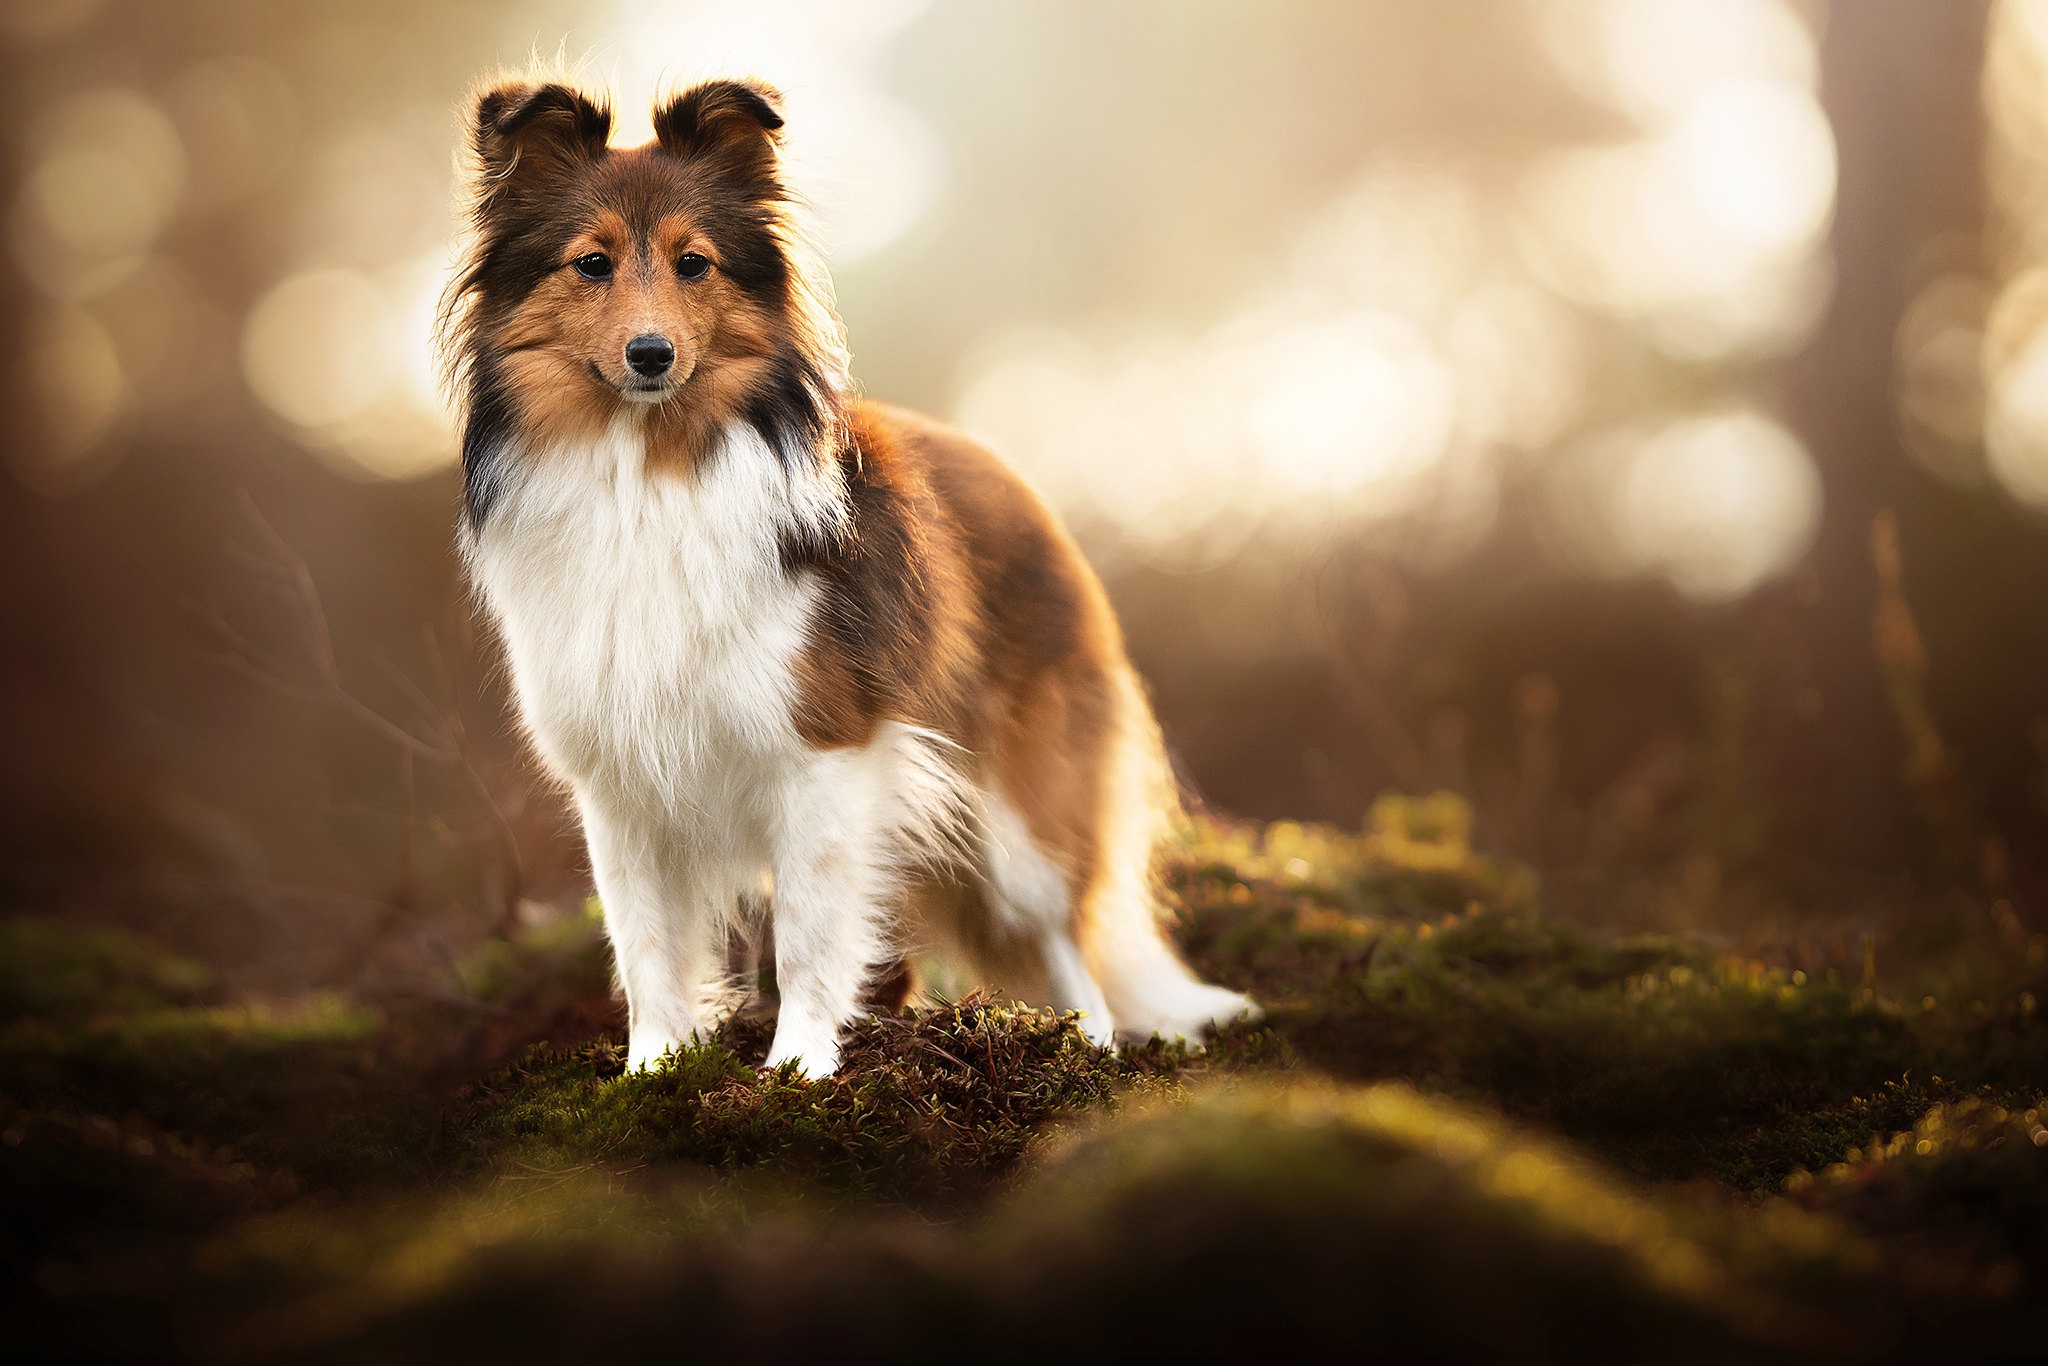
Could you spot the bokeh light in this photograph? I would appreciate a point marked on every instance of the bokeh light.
(1721, 502)
(1335, 398)
(2013, 369)
(1716, 502)
(107, 177)
(1939, 376)
(346, 357)
(239, 123)
(1439, 322)
(1430, 335)
(867, 161)
(1656, 60)
(80, 391)
(1707, 230)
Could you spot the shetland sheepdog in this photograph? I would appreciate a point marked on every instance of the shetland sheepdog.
(785, 647)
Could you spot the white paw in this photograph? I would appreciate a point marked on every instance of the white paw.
(1202, 1009)
(1234, 1005)
(815, 1053)
(1218, 1006)
(1098, 1028)
(646, 1055)
(647, 1050)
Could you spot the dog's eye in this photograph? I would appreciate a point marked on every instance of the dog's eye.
(691, 266)
(596, 266)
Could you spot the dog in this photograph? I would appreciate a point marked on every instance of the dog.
(785, 647)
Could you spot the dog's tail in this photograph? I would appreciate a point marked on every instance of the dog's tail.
(1123, 922)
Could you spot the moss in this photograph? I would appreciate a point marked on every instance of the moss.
(1451, 1133)
(1248, 1217)
(1959, 1203)
(296, 1083)
(569, 951)
(1239, 1217)
(1414, 859)
(1450, 1233)
(130, 1082)
(53, 971)
(932, 1105)
(1967, 1182)
(1663, 1056)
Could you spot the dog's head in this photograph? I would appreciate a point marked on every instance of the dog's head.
(668, 275)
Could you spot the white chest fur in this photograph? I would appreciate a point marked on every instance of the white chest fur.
(651, 626)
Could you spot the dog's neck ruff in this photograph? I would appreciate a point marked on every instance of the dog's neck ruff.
(785, 491)
(650, 620)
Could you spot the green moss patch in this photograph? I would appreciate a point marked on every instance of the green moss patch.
(929, 1106)
(1463, 1130)
(54, 971)
(1667, 1057)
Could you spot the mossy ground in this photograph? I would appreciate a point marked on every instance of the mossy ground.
(1462, 1131)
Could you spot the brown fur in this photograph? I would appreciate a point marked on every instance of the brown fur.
(996, 634)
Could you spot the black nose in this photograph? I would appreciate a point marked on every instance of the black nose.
(650, 354)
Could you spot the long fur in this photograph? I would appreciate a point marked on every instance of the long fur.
(765, 631)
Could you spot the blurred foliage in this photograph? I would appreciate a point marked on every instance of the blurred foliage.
(1667, 1057)
(1414, 856)
(1462, 1129)
(51, 971)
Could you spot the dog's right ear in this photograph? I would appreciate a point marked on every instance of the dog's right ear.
(523, 132)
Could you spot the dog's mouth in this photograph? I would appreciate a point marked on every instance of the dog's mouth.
(637, 389)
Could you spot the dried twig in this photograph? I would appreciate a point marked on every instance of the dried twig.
(436, 734)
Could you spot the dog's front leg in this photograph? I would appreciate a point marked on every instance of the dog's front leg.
(834, 880)
(666, 918)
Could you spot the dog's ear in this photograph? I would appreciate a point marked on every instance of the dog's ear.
(736, 125)
(522, 133)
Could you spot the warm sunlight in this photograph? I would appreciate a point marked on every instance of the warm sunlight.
(1159, 679)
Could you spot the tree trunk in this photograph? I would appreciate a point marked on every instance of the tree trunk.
(1899, 81)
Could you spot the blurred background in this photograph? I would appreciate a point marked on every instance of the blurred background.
(1631, 415)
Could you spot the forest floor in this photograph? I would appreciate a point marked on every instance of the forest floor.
(1462, 1131)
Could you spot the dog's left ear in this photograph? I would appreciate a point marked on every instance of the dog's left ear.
(737, 125)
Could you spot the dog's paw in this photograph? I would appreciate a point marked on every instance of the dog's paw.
(650, 1052)
(648, 1057)
(1098, 1028)
(1199, 1012)
(814, 1055)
